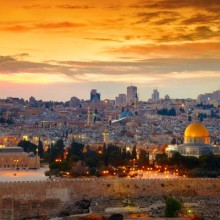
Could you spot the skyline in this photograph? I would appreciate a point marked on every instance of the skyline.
(54, 50)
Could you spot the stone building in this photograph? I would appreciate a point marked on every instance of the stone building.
(196, 141)
(15, 157)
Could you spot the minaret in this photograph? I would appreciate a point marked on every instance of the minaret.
(136, 101)
(106, 136)
(89, 116)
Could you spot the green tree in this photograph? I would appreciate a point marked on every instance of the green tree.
(173, 207)
(210, 162)
(189, 118)
(57, 151)
(182, 110)
(143, 158)
(116, 217)
(162, 159)
(177, 160)
(173, 141)
(27, 146)
(64, 166)
(40, 148)
(172, 112)
(124, 154)
(134, 153)
(91, 159)
(78, 169)
(76, 149)
(115, 158)
(190, 162)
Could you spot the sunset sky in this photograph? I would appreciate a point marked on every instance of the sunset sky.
(56, 49)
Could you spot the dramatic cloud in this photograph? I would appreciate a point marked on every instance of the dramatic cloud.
(41, 6)
(5, 59)
(15, 28)
(99, 43)
(68, 6)
(201, 19)
(196, 34)
(211, 5)
(104, 39)
(103, 71)
(193, 50)
(58, 25)
(148, 16)
(42, 26)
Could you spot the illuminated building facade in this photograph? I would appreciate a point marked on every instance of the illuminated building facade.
(15, 157)
(196, 141)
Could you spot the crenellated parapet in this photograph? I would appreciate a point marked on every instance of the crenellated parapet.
(48, 197)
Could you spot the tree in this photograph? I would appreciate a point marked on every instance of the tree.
(162, 159)
(40, 148)
(27, 146)
(91, 159)
(143, 158)
(124, 154)
(189, 118)
(7, 121)
(182, 110)
(57, 151)
(177, 160)
(173, 207)
(190, 162)
(116, 217)
(115, 159)
(210, 162)
(134, 153)
(165, 111)
(76, 149)
(78, 169)
(173, 141)
(172, 112)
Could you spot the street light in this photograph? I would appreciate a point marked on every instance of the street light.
(16, 162)
(16, 165)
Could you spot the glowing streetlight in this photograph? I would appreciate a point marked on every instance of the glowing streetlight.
(16, 162)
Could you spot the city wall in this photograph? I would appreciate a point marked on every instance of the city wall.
(25, 199)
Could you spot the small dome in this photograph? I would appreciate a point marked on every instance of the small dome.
(31, 154)
(196, 129)
(126, 114)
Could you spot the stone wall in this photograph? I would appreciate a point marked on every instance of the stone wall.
(24, 199)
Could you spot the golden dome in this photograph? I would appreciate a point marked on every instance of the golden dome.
(196, 129)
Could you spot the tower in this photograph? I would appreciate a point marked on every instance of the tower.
(136, 101)
(131, 94)
(155, 96)
(105, 136)
(89, 116)
(94, 96)
(120, 100)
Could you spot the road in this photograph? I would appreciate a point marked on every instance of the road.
(10, 175)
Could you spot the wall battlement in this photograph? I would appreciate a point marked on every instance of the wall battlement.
(24, 199)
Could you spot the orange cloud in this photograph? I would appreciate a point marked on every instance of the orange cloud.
(193, 50)
(42, 26)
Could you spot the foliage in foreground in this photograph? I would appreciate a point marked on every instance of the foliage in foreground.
(173, 207)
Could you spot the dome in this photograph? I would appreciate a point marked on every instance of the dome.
(126, 114)
(196, 129)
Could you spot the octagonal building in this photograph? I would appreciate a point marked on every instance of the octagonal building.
(196, 141)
